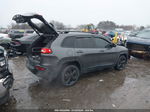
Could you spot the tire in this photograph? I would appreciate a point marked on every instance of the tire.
(5, 98)
(69, 75)
(122, 61)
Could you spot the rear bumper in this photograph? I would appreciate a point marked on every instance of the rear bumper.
(50, 72)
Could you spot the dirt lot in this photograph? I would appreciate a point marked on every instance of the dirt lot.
(107, 89)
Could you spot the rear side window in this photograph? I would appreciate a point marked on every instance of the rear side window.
(84, 43)
(68, 42)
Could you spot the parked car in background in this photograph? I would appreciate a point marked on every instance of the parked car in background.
(127, 33)
(133, 33)
(20, 45)
(66, 56)
(5, 40)
(16, 33)
(6, 77)
(139, 44)
(28, 32)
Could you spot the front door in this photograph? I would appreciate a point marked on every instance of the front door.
(107, 55)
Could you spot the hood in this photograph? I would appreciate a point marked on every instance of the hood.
(44, 28)
(138, 40)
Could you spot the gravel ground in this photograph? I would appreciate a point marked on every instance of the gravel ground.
(106, 89)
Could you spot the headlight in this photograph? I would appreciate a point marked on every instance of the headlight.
(8, 82)
(2, 63)
(2, 80)
(5, 53)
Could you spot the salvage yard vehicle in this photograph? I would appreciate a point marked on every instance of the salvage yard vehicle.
(66, 56)
(16, 33)
(139, 44)
(20, 45)
(90, 28)
(6, 77)
(28, 32)
(5, 40)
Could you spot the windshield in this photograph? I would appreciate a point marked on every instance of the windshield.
(144, 34)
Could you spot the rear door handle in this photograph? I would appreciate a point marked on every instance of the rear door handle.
(80, 51)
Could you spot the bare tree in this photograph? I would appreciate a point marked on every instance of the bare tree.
(106, 25)
(19, 26)
(58, 25)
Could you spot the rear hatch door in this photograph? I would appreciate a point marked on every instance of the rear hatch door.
(44, 28)
(46, 33)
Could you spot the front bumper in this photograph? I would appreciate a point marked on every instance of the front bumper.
(138, 53)
(5, 84)
(4, 98)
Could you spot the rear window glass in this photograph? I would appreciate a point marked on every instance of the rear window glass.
(84, 43)
(68, 42)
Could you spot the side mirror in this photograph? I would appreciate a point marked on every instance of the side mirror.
(111, 45)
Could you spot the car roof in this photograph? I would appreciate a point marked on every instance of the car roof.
(78, 34)
(84, 34)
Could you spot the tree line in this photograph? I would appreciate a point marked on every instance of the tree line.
(102, 25)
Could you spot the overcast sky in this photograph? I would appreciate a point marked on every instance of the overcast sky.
(75, 12)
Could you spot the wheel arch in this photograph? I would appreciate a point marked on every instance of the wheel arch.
(72, 63)
(65, 62)
(124, 54)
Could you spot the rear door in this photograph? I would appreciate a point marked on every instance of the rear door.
(86, 52)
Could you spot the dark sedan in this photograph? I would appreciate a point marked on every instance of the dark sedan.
(139, 45)
(16, 33)
(6, 77)
(20, 45)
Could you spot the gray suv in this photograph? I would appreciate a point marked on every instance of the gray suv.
(66, 56)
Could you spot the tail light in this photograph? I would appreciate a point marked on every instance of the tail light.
(17, 43)
(46, 51)
(39, 68)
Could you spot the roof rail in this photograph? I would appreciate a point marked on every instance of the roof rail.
(68, 31)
